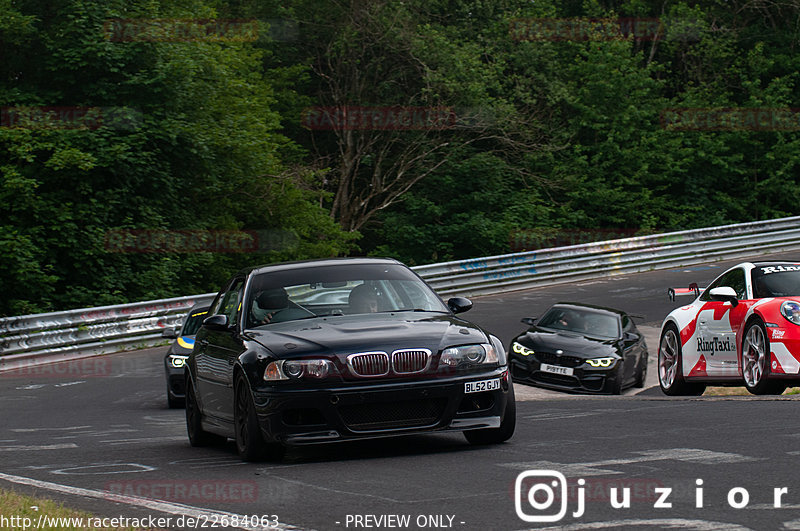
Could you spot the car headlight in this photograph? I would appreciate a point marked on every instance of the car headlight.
(483, 354)
(177, 361)
(521, 349)
(601, 362)
(791, 310)
(296, 369)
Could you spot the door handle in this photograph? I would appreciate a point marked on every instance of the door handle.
(230, 361)
(204, 342)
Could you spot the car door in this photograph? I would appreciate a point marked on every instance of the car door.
(716, 340)
(218, 351)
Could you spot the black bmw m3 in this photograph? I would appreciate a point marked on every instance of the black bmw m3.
(331, 350)
(580, 348)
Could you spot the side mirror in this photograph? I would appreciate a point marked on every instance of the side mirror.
(216, 322)
(530, 321)
(459, 304)
(629, 337)
(169, 333)
(724, 294)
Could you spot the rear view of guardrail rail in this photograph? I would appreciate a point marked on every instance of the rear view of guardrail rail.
(39, 338)
(509, 272)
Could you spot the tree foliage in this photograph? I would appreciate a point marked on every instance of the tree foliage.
(543, 134)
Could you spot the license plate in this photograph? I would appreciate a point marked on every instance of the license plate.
(483, 385)
(555, 369)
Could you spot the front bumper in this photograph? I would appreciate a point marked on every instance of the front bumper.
(582, 380)
(303, 416)
(176, 381)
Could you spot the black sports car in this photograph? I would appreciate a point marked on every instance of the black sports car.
(178, 353)
(330, 350)
(582, 348)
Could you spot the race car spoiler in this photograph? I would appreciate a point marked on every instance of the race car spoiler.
(693, 290)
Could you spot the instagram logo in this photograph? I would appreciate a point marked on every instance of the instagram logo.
(543, 491)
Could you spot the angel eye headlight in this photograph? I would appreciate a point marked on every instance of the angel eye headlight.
(521, 349)
(177, 361)
(601, 362)
(791, 311)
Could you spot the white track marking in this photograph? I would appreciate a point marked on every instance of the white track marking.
(176, 509)
(691, 455)
(29, 430)
(103, 469)
(26, 448)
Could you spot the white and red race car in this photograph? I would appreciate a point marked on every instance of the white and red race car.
(744, 328)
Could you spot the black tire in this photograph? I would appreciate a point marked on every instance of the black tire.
(501, 434)
(194, 426)
(755, 361)
(670, 366)
(250, 443)
(641, 372)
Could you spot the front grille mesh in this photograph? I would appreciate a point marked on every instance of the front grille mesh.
(369, 364)
(409, 361)
(555, 359)
(388, 415)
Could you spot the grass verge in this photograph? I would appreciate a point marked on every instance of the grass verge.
(17, 510)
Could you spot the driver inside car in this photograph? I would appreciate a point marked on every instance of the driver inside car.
(273, 306)
(363, 299)
(267, 304)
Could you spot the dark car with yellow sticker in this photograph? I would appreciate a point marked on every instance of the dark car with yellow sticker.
(179, 351)
(333, 350)
(580, 348)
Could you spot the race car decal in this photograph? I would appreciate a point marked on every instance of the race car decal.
(688, 331)
(784, 358)
(700, 368)
(186, 342)
(715, 345)
(779, 269)
(775, 366)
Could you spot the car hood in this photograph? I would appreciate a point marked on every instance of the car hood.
(367, 332)
(570, 343)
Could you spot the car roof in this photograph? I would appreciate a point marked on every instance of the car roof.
(325, 262)
(777, 262)
(592, 307)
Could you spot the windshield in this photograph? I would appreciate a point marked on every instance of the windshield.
(780, 280)
(193, 322)
(584, 322)
(346, 289)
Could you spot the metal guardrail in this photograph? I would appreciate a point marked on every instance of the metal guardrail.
(42, 338)
(509, 272)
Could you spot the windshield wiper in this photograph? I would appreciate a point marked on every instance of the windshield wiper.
(411, 310)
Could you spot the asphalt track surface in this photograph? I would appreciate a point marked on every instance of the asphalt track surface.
(97, 435)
